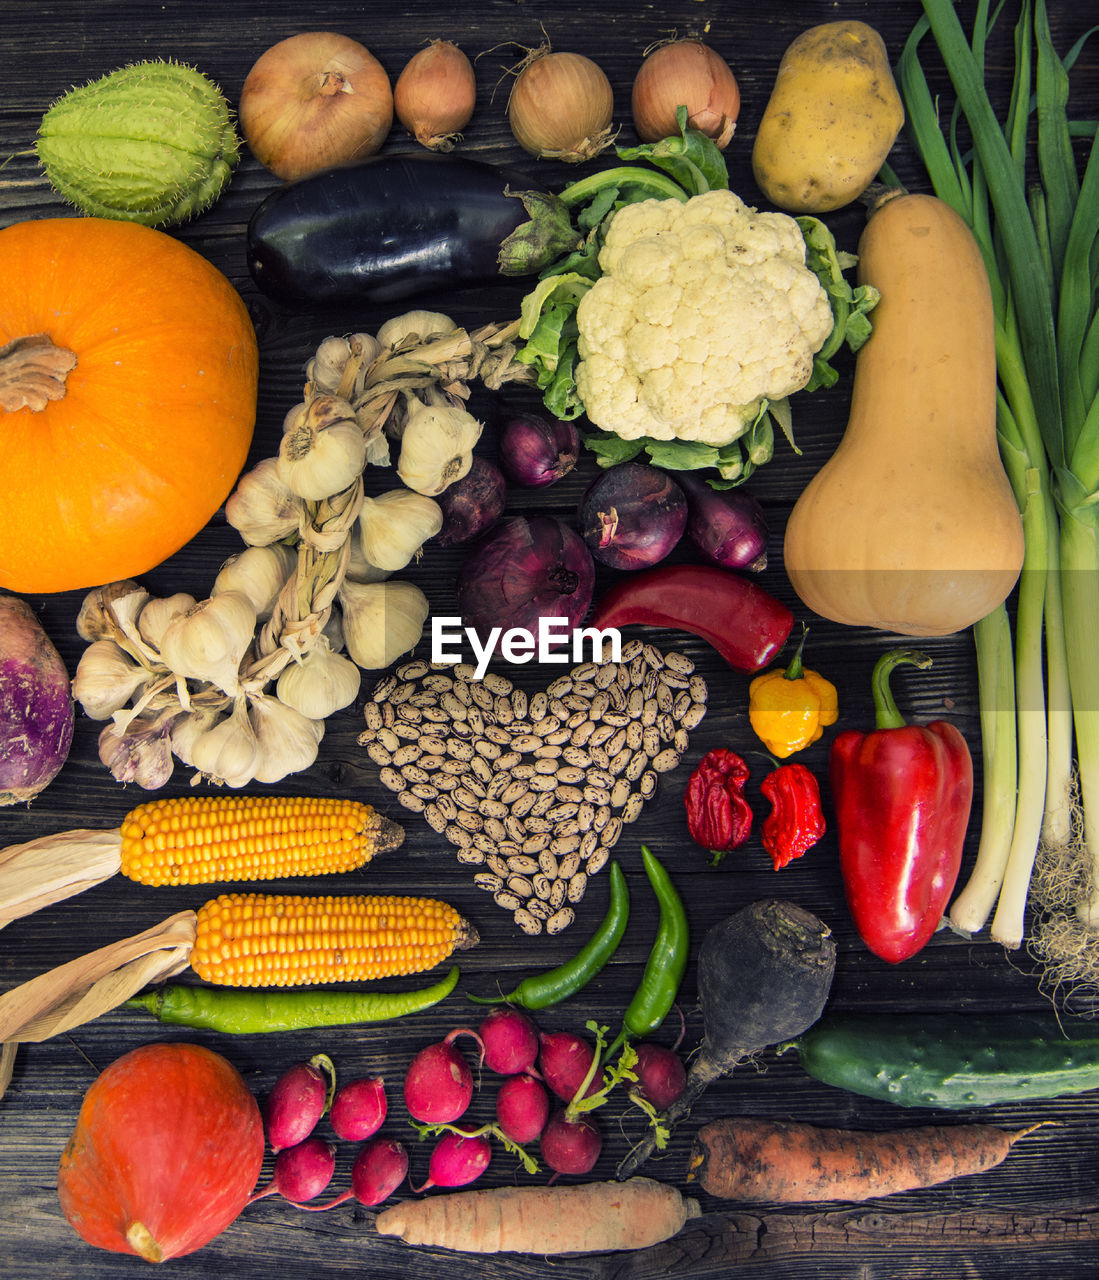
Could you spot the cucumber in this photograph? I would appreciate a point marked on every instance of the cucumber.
(952, 1061)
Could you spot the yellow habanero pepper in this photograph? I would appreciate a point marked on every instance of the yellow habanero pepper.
(789, 709)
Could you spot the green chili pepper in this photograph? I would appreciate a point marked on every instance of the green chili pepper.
(244, 1013)
(545, 989)
(667, 961)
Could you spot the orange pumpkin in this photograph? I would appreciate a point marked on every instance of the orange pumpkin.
(165, 1153)
(128, 369)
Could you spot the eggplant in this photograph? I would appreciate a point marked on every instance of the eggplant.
(395, 226)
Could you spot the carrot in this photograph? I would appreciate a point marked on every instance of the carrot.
(592, 1217)
(789, 1163)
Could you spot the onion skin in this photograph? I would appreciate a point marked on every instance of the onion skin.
(728, 529)
(435, 95)
(36, 706)
(632, 516)
(536, 451)
(314, 100)
(523, 571)
(561, 107)
(685, 73)
(473, 504)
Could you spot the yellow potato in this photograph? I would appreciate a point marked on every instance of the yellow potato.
(833, 115)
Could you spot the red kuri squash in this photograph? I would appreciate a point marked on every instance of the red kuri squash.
(166, 1150)
(128, 369)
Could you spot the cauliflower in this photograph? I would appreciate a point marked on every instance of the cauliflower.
(704, 309)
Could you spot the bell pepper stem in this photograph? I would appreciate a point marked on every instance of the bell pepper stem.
(886, 715)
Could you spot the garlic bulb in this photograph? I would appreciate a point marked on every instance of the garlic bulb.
(322, 451)
(96, 620)
(262, 508)
(288, 741)
(322, 683)
(325, 372)
(437, 447)
(229, 751)
(394, 526)
(381, 620)
(417, 325)
(105, 678)
(141, 752)
(158, 612)
(359, 568)
(209, 641)
(187, 727)
(260, 573)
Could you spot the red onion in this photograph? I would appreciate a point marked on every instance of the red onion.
(525, 570)
(632, 516)
(536, 451)
(473, 504)
(728, 527)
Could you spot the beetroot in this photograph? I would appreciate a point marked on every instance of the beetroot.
(358, 1109)
(510, 1039)
(301, 1172)
(571, 1144)
(565, 1060)
(298, 1100)
(522, 1108)
(36, 706)
(661, 1075)
(438, 1086)
(458, 1159)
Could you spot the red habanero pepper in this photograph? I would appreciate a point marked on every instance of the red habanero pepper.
(902, 796)
(719, 816)
(796, 820)
(743, 622)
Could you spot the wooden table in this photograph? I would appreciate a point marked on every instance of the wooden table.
(1033, 1216)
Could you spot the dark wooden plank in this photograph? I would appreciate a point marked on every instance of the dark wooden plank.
(1033, 1216)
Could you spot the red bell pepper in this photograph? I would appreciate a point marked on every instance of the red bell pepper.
(902, 796)
(743, 622)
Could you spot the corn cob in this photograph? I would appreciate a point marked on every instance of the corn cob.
(284, 940)
(208, 839)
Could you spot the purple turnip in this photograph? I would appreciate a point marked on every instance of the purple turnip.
(36, 706)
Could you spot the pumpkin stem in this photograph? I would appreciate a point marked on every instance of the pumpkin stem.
(142, 1242)
(33, 372)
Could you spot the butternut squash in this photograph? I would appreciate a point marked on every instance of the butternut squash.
(912, 526)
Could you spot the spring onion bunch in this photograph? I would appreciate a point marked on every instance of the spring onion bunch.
(1039, 687)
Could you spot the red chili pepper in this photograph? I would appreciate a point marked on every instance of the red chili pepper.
(902, 795)
(796, 820)
(744, 623)
(718, 816)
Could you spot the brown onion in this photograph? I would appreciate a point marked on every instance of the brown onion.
(685, 73)
(561, 106)
(435, 95)
(314, 100)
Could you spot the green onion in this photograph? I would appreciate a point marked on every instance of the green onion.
(1039, 689)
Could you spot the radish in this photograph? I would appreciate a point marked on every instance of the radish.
(511, 1041)
(298, 1100)
(571, 1145)
(565, 1061)
(459, 1158)
(358, 1109)
(661, 1075)
(438, 1086)
(522, 1108)
(36, 706)
(379, 1169)
(301, 1172)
